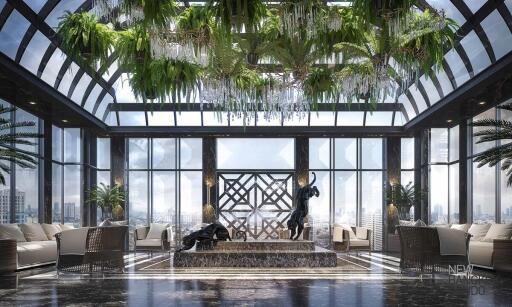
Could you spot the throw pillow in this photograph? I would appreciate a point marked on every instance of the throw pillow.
(155, 230)
(351, 232)
(405, 223)
(420, 223)
(66, 227)
(33, 232)
(51, 230)
(478, 231)
(105, 223)
(498, 232)
(119, 223)
(463, 227)
(11, 231)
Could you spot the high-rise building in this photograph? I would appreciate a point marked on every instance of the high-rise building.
(5, 206)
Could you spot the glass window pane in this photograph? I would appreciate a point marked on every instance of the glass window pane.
(438, 145)
(56, 193)
(22, 116)
(215, 119)
(411, 113)
(322, 119)
(353, 118)
(132, 118)
(164, 153)
(72, 189)
(475, 5)
(478, 148)
(191, 187)
(319, 153)
(345, 151)
(242, 121)
(188, 118)
(69, 5)
(319, 217)
(371, 204)
(164, 197)
(103, 153)
(12, 33)
(457, 67)
(57, 144)
(27, 195)
(5, 196)
(450, 10)
(34, 52)
(506, 197)
(438, 194)
(81, 87)
(484, 194)
(251, 153)
(454, 193)
(296, 120)
(430, 89)
(498, 33)
(445, 83)
(138, 153)
(191, 154)
(92, 99)
(72, 145)
(418, 98)
(103, 177)
(160, 118)
(371, 153)
(345, 194)
(407, 153)
(261, 120)
(67, 79)
(476, 52)
(454, 143)
(138, 186)
(379, 118)
(101, 112)
(406, 177)
(35, 5)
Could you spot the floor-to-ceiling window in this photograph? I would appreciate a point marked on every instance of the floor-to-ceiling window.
(490, 194)
(102, 166)
(19, 196)
(165, 181)
(407, 165)
(67, 176)
(351, 183)
(444, 175)
(255, 184)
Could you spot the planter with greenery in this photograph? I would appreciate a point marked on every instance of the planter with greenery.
(107, 198)
(403, 197)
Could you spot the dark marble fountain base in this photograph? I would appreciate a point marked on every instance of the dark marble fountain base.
(264, 253)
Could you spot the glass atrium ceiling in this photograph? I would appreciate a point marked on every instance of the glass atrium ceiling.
(28, 38)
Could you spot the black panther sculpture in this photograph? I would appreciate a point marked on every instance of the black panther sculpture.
(205, 236)
(296, 221)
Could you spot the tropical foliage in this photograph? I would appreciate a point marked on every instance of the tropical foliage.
(404, 197)
(9, 141)
(492, 130)
(255, 49)
(105, 196)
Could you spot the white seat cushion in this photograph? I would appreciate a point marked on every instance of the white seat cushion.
(480, 253)
(36, 252)
(33, 232)
(11, 231)
(498, 232)
(452, 241)
(51, 230)
(156, 230)
(66, 227)
(478, 231)
(149, 243)
(462, 227)
(359, 243)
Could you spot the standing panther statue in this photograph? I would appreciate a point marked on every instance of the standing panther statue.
(296, 221)
(206, 236)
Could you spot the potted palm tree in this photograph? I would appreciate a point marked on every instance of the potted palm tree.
(8, 140)
(108, 198)
(403, 197)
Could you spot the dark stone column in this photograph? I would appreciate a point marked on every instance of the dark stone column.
(393, 166)
(88, 178)
(46, 175)
(209, 179)
(421, 173)
(463, 172)
(117, 164)
(302, 160)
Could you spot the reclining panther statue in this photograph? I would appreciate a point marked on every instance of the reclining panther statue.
(296, 221)
(205, 236)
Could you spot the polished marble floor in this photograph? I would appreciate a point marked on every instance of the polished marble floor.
(358, 280)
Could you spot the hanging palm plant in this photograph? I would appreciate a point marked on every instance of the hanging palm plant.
(237, 14)
(85, 39)
(379, 12)
(496, 130)
(133, 47)
(195, 24)
(8, 140)
(320, 86)
(150, 12)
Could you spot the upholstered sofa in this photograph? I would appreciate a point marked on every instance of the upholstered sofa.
(36, 243)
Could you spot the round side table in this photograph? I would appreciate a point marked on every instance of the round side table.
(7, 256)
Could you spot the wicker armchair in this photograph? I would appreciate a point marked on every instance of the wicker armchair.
(141, 243)
(422, 250)
(95, 249)
(342, 242)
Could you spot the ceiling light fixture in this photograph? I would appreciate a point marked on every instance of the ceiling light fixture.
(448, 120)
(32, 102)
(482, 103)
(64, 120)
